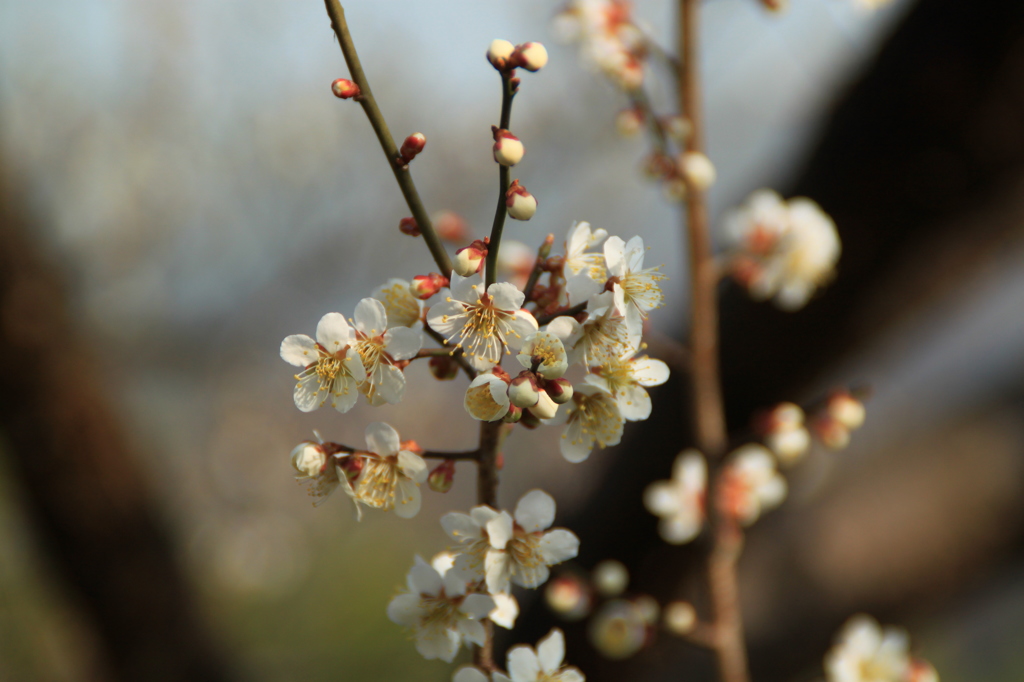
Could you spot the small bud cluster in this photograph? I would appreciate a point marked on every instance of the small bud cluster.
(608, 38)
(504, 56)
(785, 432)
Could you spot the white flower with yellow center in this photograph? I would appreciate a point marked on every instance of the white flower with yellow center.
(592, 418)
(864, 652)
(440, 612)
(317, 469)
(379, 348)
(750, 484)
(543, 665)
(625, 378)
(487, 323)
(487, 396)
(390, 476)
(636, 289)
(402, 307)
(502, 549)
(333, 368)
(680, 501)
(605, 333)
(545, 352)
(585, 273)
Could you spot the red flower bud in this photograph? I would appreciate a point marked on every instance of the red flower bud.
(344, 88)
(412, 146)
(408, 226)
(441, 478)
(443, 367)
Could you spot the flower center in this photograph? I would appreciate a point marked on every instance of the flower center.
(400, 305)
(378, 482)
(371, 350)
(439, 612)
(597, 416)
(617, 372)
(329, 366)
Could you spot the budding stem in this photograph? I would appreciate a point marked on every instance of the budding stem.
(575, 310)
(387, 143)
(491, 266)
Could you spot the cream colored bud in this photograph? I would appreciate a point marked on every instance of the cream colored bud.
(629, 122)
(560, 390)
(309, 459)
(610, 578)
(499, 52)
(467, 261)
(618, 630)
(847, 410)
(545, 407)
(698, 169)
(532, 56)
(508, 150)
(788, 444)
(680, 617)
(523, 391)
(521, 206)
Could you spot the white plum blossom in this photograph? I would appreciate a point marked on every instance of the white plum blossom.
(604, 333)
(486, 324)
(864, 652)
(379, 348)
(487, 396)
(390, 476)
(625, 378)
(524, 664)
(785, 433)
(332, 366)
(750, 484)
(501, 548)
(403, 309)
(608, 38)
(636, 289)
(471, 673)
(584, 271)
(544, 351)
(782, 250)
(317, 469)
(506, 610)
(592, 418)
(680, 501)
(440, 612)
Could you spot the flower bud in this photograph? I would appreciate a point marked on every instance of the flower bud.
(680, 617)
(776, 5)
(629, 122)
(831, 432)
(514, 415)
(521, 204)
(846, 409)
(425, 286)
(309, 459)
(441, 478)
(523, 391)
(530, 56)
(698, 169)
(529, 420)
(352, 466)
(344, 88)
(677, 127)
(443, 367)
(657, 166)
(610, 578)
(648, 607)
(412, 146)
(788, 444)
(451, 227)
(469, 260)
(568, 596)
(499, 53)
(618, 630)
(507, 149)
(560, 390)
(408, 226)
(546, 408)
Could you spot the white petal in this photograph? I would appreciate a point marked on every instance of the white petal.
(344, 395)
(551, 651)
(505, 612)
(443, 644)
(390, 385)
(402, 343)
(558, 545)
(571, 675)
(614, 256)
(499, 530)
(535, 511)
(580, 287)
(382, 439)
(371, 318)
(460, 527)
(649, 372)
(299, 350)
(497, 570)
(505, 296)
(454, 584)
(333, 332)
(423, 579)
(678, 530)
(523, 665)
(469, 674)
(354, 366)
(477, 605)
(467, 289)
(520, 327)
(412, 465)
(447, 317)
(482, 515)
(308, 396)
(634, 254)
(691, 469)
(574, 444)
(634, 403)
(409, 499)
(531, 576)
(472, 631)
(405, 610)
(500, 677)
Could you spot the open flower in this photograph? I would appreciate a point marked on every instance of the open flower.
(317, 469)
(604, 333)
(864, 652)
(333, 368)
(544, 353)
(680, 501)
(402, 307)
(625, 378)
(500, 548)
(390, 473)
(487, 396)
(750, 484)
(379, 348)
(584, 271)
(636, 289)
(592, 418)
(440, 612)
(486, 323)
(543, 665)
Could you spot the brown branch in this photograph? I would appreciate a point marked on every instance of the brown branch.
(508, 92)
(575, 310)
(466, 455)
(487, 493)
(456, 354)
(538, 269)
(387, 143)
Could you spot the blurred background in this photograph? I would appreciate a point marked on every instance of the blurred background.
(180, 191)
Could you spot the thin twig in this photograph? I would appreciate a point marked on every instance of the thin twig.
(575, 310)
(538, 268)
(491, 267)
(387, 143)
(456, 354)
(473, 455)
(642, 102)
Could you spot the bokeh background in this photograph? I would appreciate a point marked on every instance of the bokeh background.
(181, 191)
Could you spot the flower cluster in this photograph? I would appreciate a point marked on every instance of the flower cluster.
(526, 664)
(782, 250)
(865, 652)
(787, 431)
(608, 36)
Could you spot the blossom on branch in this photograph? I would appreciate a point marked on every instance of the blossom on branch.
(625, 378)
(390, 475)
(680, 502)
(750, 484)
(636, 289)
(592, 418)
(379, 347)
(604, 333)
(543, 664)
(333, 368)
(401, 305)
(866, 652)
